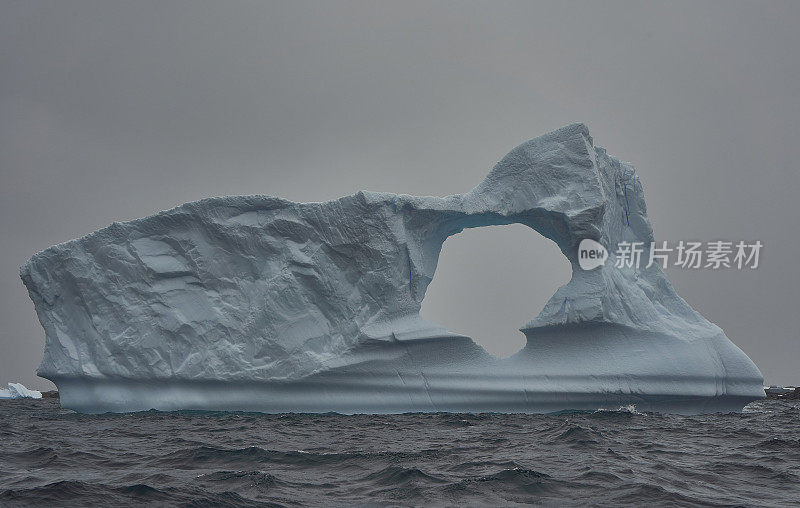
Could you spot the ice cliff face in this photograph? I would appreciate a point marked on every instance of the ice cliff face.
(260, 290)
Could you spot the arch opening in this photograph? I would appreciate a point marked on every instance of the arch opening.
(492, 280)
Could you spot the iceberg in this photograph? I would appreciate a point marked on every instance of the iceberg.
(262, 304)
(18, 391)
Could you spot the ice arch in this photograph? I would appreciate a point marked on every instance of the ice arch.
(259, 303)
(490, 281)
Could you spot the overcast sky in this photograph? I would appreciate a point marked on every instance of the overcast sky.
(115, 110)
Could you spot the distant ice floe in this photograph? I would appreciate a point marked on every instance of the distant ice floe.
(18, 391)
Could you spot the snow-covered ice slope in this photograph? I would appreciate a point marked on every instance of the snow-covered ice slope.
(258, 303)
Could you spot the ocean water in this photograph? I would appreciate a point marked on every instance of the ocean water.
(50, 456)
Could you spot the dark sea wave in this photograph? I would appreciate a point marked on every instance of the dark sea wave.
(50, 456)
